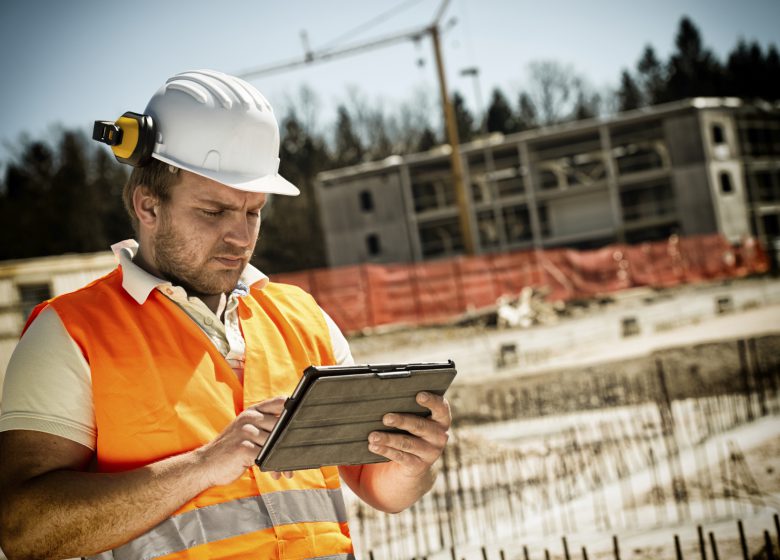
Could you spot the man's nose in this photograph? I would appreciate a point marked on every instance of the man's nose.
(240, 231)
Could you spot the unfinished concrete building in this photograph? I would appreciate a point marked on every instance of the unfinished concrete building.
(697, 166)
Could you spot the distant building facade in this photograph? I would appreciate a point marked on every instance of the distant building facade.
(698, 166)
(24, 283)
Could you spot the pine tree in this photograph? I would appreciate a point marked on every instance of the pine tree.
(107, 178)
(526, 114)
(61, 200)
(499, 115)
(25, 208)
(427, 140)
(751, 74)
(585, 106)
(772, 71)
(348, 148)
(586, 103)
(651, 77)
(463, 118)
(629, 96)
(75, 225)
(378, 145)
(693, 69)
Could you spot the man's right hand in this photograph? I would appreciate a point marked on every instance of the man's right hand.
(52, 508)
(235, 449)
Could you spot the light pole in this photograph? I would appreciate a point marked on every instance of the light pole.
(456, 166)
(473, 71)
(487, 154)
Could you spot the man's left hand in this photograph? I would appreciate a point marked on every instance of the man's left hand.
(414, 453)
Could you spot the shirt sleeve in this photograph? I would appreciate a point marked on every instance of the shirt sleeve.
(48, 386)
(341, 349)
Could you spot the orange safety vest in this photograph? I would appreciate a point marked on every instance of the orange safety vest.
(160, 388)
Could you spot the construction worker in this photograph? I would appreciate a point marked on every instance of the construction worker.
(133, 408)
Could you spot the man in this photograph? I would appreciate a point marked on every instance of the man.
(133, 408)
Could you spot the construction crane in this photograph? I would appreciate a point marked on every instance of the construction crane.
(432, 30)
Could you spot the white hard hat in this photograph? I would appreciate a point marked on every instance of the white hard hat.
(220, 127)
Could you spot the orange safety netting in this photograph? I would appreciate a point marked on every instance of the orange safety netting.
(370, 295)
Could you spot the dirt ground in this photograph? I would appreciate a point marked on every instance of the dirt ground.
(582, 365)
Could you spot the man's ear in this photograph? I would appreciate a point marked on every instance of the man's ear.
(146, 206)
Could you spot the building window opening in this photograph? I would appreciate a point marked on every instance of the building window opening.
(764, 186)
(31, 295)
(545, 225)
(440, 238)
(373, 245)
(630, 326)
(725, 183)
(549, 180)
(717, 134)
(366, 201)
(641, 156)
(488, 232)
(480, 190)
(517, 224)
(432, 195)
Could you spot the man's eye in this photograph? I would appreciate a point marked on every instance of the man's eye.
(211, 213)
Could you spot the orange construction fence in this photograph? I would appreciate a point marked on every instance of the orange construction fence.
(370, 295)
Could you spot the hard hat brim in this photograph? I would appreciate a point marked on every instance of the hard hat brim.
(271, 184)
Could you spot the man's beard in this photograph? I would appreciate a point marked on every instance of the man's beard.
(186, 266)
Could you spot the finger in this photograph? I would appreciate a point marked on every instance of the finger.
(273, 406)
(432, 432)
(407, 444)
(416, 425)
(408, 460)
(288, 474)
(439, 407)
(276, 475)
(264, 422)
(254, 434)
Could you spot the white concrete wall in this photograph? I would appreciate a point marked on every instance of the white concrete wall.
(580, 214)
(594, 336)
(731, 209)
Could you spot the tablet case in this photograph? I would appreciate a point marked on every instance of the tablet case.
(333, 409)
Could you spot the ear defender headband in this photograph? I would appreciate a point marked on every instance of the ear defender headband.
(131, 138)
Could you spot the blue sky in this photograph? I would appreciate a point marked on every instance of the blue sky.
(71, 62)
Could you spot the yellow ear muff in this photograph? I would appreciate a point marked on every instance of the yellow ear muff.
(129, 142)
(131, 137)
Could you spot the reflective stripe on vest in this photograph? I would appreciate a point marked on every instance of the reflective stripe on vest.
(230, 519)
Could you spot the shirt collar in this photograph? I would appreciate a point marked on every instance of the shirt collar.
(139, 283)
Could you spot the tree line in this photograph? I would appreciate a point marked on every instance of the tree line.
(66, 196)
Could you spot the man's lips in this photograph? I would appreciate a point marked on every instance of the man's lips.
(230, 261)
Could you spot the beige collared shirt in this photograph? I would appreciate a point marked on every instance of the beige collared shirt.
(48, 386)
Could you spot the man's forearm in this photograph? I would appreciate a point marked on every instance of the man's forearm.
(86, 513)
(388, 489)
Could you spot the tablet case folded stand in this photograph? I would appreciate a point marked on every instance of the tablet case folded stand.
(333, 409)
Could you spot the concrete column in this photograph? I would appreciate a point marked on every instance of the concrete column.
(410, 217)
(612, 183)
(530, 191)
(498, 213)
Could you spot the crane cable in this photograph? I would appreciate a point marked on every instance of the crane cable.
(381, 18)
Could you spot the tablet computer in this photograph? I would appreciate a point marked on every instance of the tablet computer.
(327, 419)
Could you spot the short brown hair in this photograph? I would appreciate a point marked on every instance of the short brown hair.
(157, 176)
